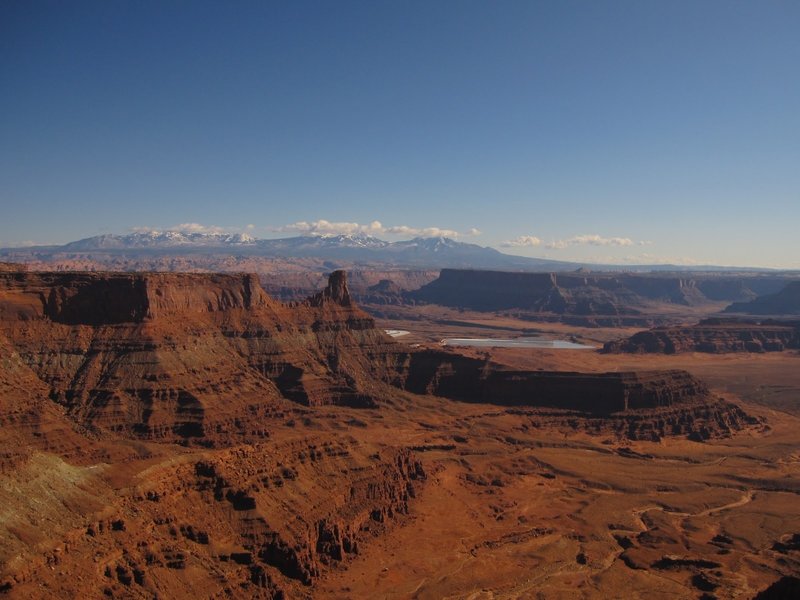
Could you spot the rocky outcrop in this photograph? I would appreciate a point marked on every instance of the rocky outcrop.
(713, 336)
(622, 295)
(116, 298)
(211, 359)
(29, 421)
(192, 358)
(373, 286)
(784, 302)
(470, 380)
(264, 521)
(362, 492)
(384, 292)
(164, 434)
(336, 291)
(645, 405)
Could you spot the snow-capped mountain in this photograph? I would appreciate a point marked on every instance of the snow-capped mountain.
(424, 253)
(159, 239)
(314, 242)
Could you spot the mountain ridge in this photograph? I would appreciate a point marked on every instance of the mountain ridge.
(436, 252)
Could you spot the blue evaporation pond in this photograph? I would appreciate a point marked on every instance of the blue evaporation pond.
(515, 343)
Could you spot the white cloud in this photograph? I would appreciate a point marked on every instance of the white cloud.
(323, 227)
(320, 227)
(650, 259)
(523, 240)
(589, 240)
(405, 230)
(198, 228)
(187, 228)
(578, 240)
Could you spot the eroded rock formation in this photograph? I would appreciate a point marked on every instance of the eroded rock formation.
(585, 298)
(164, 434)
(784, 302)
(152, 356)
(714, 336)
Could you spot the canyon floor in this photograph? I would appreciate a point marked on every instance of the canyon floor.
(518, 512)
(509, 506)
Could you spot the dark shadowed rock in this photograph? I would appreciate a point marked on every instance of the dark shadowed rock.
(785, 302)
(716, 336)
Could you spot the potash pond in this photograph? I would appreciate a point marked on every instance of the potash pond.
(522, 342)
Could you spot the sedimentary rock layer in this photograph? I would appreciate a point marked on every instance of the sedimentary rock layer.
(188, 435)
(784, 302)
(583, 294)
(201, 358)
(172, 357)
(714, 336)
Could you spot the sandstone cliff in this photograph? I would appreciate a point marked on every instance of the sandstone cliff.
(173, 435)
(713, 336)
(185, 356)
(206, 359)
(583, 295)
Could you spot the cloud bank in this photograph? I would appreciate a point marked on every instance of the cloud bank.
(522, 241)
(577, 240)
(319, 227)
(190, 228)
(323, 227)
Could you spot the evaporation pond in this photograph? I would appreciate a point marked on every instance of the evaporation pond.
(516, 343)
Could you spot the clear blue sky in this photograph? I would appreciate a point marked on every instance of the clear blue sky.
(627, 130)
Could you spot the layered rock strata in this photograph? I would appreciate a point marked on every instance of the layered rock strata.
(153, 356)
(583, 295)
(645, 405)
(173, 435)
(784, 302)
(713, 336)
(200, 358)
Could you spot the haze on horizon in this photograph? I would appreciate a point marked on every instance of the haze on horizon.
(615, 132)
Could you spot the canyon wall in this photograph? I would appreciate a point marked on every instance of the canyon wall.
(784, 302)
(170, 435)
(584, 294)
(716, 336)
(204, 359)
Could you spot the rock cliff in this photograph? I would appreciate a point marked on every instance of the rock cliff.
(207, 359)
(714, 336)
(634, 405)
(784, 302)
(185, 357)
(620, 295)
(182, 434)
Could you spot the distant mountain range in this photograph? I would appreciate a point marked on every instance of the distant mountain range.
(359, 249)
(438, 252)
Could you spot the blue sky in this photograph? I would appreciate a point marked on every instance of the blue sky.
(624, 131)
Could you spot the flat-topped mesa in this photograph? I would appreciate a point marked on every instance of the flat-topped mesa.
(713, 336)
(335, 292)
(182, 356)
(470, 380)
(592, 298)
(116, 298)
(645, 405)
